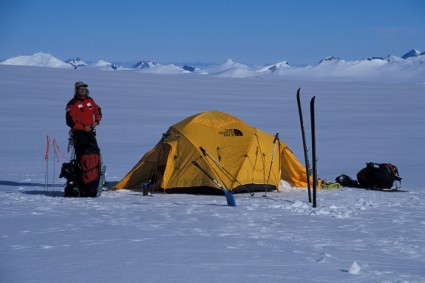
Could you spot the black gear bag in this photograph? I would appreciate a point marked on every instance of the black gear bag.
(71, 171)
(377, 176)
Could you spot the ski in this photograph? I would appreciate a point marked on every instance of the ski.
(306, 161)
(230, 198)
(101, 180)
(313, 148)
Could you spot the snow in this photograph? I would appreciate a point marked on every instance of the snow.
(353, 235)
(355, 268)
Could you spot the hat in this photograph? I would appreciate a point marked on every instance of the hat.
(80, 84)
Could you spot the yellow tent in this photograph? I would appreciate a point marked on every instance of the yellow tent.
(238, 156)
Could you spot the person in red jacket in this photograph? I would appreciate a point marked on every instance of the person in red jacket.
(83, 115)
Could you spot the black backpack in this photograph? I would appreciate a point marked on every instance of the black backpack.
(378, 176)
(71, 171)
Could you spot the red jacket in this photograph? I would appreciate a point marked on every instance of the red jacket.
(82, 112)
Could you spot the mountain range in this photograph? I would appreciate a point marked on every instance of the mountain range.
(411, 65)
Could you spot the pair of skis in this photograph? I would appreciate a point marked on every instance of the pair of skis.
(309, 170)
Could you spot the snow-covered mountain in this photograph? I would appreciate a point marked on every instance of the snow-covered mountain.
(190, 68)
(76, 62)
(412, 53)
(329, 59)
(231, 69)
(170, 69)
(275, 67)
(146, 66)
(38, 59)
(143, 64)
(410, 66)
(105, 65)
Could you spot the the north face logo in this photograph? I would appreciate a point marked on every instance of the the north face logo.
(231, 133)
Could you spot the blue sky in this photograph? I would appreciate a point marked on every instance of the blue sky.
(247, 31)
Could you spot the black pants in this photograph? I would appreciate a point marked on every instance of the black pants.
(85, 143)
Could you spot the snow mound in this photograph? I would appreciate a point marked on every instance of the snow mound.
(354, 268)
(105, 66)
(274, 67)
(164, 69)
(39, 59)
(231, 69)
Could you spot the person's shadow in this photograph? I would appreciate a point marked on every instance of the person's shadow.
(51, 190)
(56, 190)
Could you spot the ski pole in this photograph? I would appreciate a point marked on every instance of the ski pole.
(276, 137)
(230, 198)
(56, 150)
(313, 146)
(54, 166)
(227, 173)
(46, 159)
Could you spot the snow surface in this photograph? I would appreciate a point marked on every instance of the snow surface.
(353, 235)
